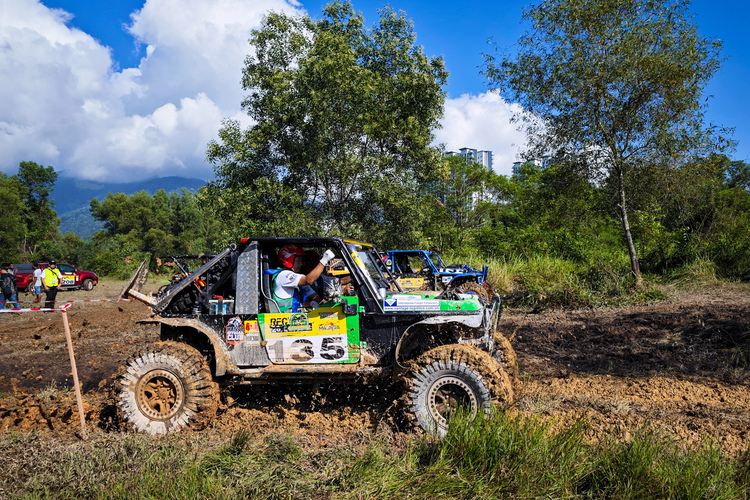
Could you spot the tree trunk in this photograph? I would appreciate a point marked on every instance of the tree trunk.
(634, 266)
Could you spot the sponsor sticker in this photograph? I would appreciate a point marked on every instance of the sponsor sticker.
(289, 323)
(319, 321)
(235, 332)
(318, 336)
(252, 333)
(299, 322)
(411, 282)
(410, 304)
(329, 327)
(309, 349)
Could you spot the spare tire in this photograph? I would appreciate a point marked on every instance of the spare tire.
(475, 288)
(184, 302)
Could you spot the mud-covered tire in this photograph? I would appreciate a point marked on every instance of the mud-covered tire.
(475, 288)
(448, 376)
(184, 301)
(30, 288)
(88, 285)
(508, 358)
(166, 387)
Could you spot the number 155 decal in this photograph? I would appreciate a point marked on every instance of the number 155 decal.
(313, 349)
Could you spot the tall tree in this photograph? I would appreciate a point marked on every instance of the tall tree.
(704, 212)
(343, 118)
(159, 225)
(42, 223)
(616, 83)
(12, 219)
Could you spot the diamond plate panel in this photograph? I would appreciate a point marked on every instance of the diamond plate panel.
(247, 292)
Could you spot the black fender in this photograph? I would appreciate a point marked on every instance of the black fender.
(433, 331)
(203, 336)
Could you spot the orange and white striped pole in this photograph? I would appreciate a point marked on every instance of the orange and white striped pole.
(79, 399)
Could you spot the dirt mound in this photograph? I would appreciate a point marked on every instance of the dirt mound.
(48, 411)
(681, 367)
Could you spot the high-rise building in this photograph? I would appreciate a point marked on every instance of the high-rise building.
(542, 163)
(479, 156)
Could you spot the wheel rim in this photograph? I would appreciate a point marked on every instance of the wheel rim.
(160, 395)
(446, 395)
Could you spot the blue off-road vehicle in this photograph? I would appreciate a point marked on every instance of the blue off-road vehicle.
(424, 270)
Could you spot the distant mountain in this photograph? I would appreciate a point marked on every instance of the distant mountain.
(79, 221)
(72, 198)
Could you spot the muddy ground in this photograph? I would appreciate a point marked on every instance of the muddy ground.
(681, 367)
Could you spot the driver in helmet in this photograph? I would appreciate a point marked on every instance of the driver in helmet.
(290, 288)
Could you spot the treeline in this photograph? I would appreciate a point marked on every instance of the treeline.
(687, 218)
(698, 213)
(142, 226)
(136, 227)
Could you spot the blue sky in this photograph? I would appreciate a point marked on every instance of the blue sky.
(155, 81)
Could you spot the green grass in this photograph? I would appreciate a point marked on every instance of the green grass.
(500, 456)
(546, 282)
(543, 282)
(51, 391)
(701, 272)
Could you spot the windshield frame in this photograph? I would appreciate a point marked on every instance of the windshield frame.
(361, 254)
(438, 261)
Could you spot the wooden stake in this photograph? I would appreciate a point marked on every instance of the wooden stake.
(79, 400)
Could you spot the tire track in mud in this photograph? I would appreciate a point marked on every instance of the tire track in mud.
(680, 368)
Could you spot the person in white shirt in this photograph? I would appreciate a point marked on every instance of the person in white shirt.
(37, 281)
(288, 285)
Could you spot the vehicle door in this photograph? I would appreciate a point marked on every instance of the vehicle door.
(326, 334)
(69, 276)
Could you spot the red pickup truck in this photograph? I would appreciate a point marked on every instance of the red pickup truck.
(72, 278)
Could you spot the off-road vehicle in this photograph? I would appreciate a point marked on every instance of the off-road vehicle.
(424, 270)
(220, 326)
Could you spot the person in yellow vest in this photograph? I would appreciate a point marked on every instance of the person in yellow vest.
(51, 279)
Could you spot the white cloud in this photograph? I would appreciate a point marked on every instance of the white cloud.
(482, 122)
(65, 104)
